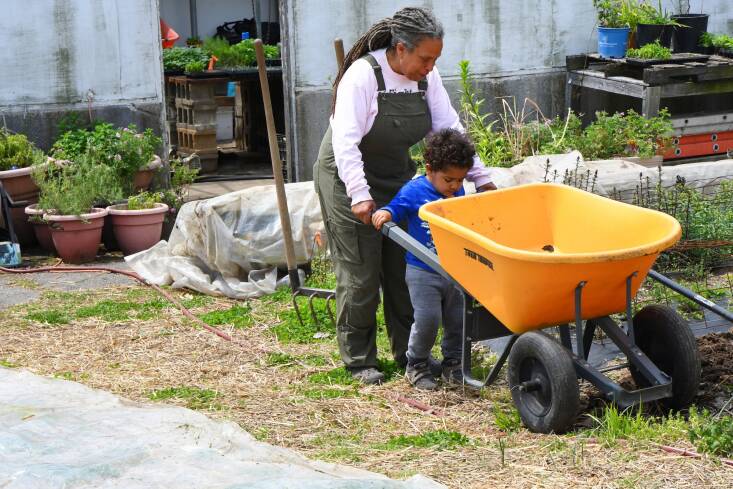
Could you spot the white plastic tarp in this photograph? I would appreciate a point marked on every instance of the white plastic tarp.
(60, 434)
(231, 245)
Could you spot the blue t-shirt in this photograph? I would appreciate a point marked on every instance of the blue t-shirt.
(405, 205)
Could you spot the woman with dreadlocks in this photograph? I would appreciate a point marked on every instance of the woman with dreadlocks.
(387, 97)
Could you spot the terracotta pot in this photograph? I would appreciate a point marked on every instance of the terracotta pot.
(40, 227)
(20, 186)
(77, 240)
(144, 176)
(137, 230)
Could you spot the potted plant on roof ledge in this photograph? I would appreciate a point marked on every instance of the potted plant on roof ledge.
(613, 28)
(655, 24)
(689, 30)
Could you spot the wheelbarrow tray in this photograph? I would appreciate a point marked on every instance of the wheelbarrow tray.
(522, 251)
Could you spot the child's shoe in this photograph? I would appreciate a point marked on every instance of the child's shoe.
(420, 377)
(452, 373)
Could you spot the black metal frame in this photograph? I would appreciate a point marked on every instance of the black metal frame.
(479, 324)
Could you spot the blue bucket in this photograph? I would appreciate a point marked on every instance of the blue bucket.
(612, 41)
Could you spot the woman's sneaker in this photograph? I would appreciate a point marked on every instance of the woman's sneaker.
(420, 377)
(452, 372)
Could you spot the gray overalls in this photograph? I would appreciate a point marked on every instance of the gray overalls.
(362, 259)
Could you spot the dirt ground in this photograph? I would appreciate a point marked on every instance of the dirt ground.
(285, 385)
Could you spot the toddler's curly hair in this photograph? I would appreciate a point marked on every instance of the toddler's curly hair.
(449, 147)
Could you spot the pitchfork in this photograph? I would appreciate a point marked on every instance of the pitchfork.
(282, 202)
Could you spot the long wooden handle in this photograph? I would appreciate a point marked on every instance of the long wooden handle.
(338, 45)
(277, 167)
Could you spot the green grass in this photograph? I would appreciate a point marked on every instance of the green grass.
(632, 424)
(8, 364)
(49, 316)
(324, 393)
(116, 310)
(290, 330)
(195, 397)
(337, 376)
(238, 316)
(438, 439)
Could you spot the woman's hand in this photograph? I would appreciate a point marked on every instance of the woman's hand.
(486, 186)
(363, 210)
(380, 217)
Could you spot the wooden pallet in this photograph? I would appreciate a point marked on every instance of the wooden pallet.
(684, 68)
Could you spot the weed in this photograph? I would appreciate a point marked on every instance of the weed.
(238, 316)
(438, 439)
(8, 364)
(195, 397)
(277, 358)
(501, 445)
(192, 301)
(632, 424)
(49, 316)
(711, 434)
(507, 418)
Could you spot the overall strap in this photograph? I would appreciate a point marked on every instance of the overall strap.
(377, 72)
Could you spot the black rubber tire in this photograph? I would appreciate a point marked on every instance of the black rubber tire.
(554, 407)
(665, 337)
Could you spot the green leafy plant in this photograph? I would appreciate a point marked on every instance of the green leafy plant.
(625, 134)
(610, 13)
(177, 58)
(518, 132)
(648, 14)
(74, 188)
(195, 67)
(719, 41)
(125, 150)
(652, 50)
(711, 434)
(144, 200)
(182, 176)
(238, 55)
(16, 151)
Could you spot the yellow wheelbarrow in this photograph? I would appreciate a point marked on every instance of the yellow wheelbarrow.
(544, 255)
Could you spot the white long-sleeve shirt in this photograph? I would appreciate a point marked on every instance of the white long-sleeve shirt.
(356, 109)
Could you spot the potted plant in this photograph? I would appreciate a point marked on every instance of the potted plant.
(690, 28)
(613, 28)
(17, 157)
(68, 194)
(182, 176)
(129, 152)
(137, 225)
(654, 24)
(40, 227)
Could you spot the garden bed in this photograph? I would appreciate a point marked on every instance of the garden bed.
(285, 385)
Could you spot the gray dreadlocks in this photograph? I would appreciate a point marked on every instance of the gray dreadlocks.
(408, 26)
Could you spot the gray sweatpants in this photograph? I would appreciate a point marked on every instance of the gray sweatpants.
(435, 300)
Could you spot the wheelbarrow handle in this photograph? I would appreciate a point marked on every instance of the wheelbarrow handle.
(421, 252)
(697, 298)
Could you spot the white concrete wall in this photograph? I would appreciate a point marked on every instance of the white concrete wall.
(211, 14)
(57, 51)
(498, 36)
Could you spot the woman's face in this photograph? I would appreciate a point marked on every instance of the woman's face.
(416, 64)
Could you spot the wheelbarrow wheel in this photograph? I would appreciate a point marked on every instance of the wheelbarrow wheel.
(543, 383)
(665, 337)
